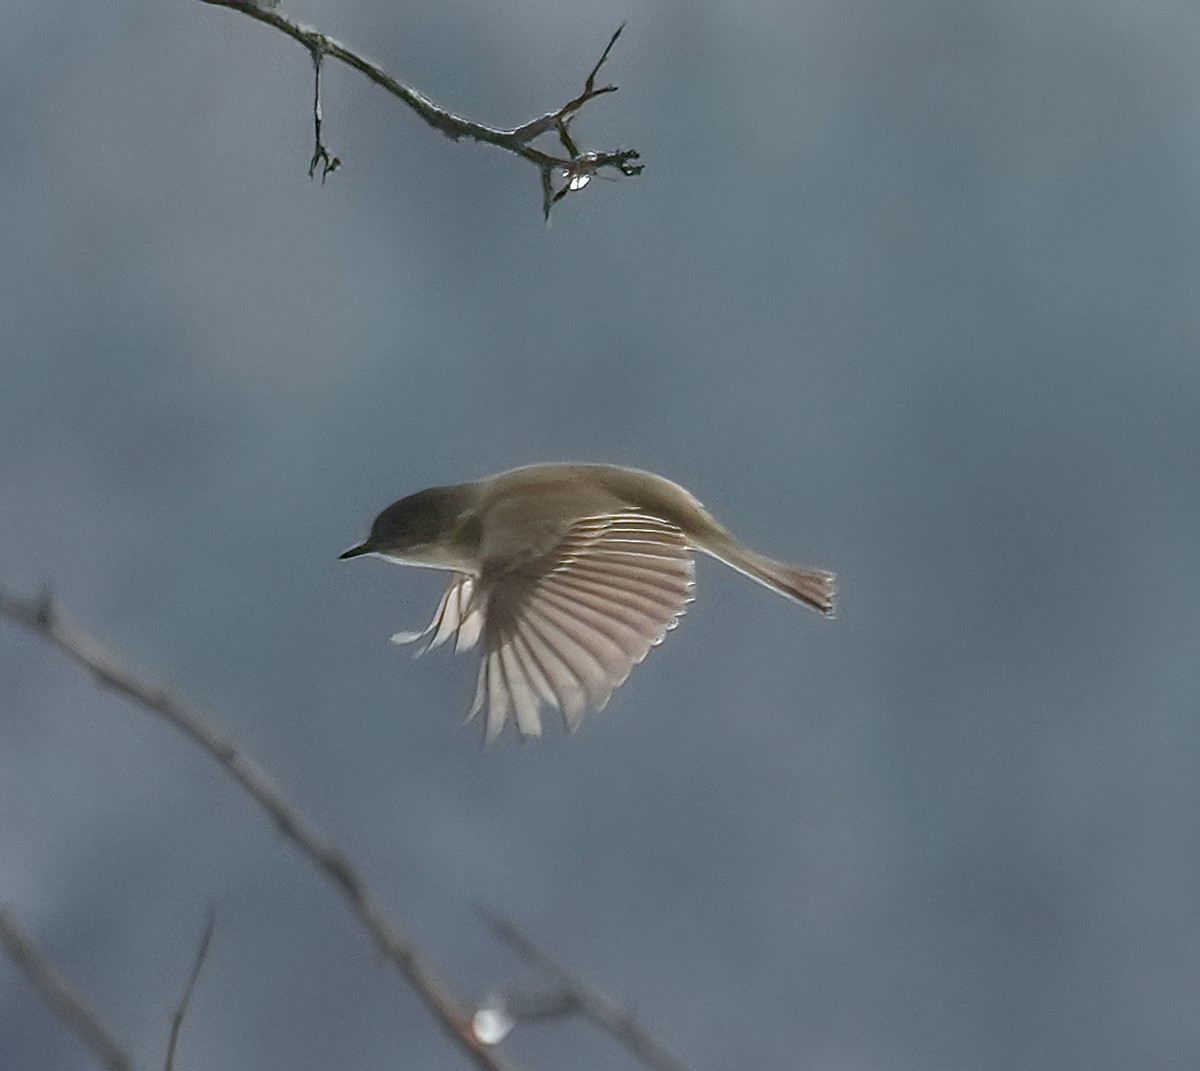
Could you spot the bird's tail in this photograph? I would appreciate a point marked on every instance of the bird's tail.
(813, 587)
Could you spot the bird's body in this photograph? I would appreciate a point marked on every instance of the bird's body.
(569, 573)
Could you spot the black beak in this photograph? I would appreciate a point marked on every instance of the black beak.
(354, 552)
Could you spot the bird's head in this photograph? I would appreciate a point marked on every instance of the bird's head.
(418, 529)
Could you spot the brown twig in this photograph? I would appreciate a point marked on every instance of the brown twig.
(39, 616)
(570, 996)
(575, 169)
(329, 164)
(57, 992)
(181, 1011)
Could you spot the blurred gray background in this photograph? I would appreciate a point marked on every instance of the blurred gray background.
(906, 290)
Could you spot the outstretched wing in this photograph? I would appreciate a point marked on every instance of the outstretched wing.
(565, 629)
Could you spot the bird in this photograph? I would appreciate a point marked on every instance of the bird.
(569, 574)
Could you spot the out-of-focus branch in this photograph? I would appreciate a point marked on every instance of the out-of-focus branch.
(569, 996)
(39, 616)
(57, 992)
(574, 170)
(185, 1000)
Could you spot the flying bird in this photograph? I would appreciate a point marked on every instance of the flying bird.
(569, 574)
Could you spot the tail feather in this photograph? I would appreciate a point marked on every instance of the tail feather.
(813, 587)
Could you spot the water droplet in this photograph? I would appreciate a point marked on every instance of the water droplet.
(491, 1022)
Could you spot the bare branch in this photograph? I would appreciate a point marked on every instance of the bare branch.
(574, 168)
(570, 995)
(39, 616)
(57, 992)
(181, 1011)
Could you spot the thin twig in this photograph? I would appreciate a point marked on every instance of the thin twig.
(575, 168)
(57, 992)
(320, 155)
(39, 616)
(572, 995)
(181, 1011)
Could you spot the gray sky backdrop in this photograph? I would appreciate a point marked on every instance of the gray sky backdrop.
(910, 290)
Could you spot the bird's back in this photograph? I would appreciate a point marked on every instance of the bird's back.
(571, 492)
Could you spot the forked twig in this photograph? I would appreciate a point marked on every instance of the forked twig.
(570, 996)
(575, 169)
(320, 155)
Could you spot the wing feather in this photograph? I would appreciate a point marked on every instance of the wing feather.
(565, 679)
(567, 690)
(565, 630)
(609, 622)
(459, 613)
(521, 690)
